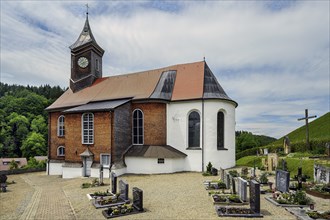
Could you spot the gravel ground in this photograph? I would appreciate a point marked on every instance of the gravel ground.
(166, 196)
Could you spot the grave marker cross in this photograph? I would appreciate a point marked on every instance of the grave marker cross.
(306, 121)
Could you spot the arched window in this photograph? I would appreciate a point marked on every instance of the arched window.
(60, 151)
(220, 131)
(60, 126)
(87, 128)
(137, 127)
(194, 129)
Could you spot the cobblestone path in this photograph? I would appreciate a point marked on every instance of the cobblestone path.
(48, 201)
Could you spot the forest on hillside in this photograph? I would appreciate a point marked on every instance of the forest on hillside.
(23, 121)
(246, 140)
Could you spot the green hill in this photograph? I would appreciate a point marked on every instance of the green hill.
(319, 129)
(319, 134)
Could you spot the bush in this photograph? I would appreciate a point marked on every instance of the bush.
(34, 163)
(13, 165)
(209, 168)
(263, 178)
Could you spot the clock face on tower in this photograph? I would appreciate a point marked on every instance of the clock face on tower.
(83, 62)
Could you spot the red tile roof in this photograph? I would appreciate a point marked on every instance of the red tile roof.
(188, 85)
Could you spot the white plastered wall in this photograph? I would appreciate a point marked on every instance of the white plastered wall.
(71, 172)
(219, 158)
(139, 165)
(55, 168)
(177, 132)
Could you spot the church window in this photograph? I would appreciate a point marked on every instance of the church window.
(60, 151)
(220, 131)
(87, 128)
(60, 126)
(137, 127)
(194, 129)
(105, 160)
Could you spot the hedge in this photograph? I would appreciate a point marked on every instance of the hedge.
(318, 147)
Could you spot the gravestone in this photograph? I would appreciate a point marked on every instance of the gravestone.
(113, 183)
(266, 151)
(227, 180)
(321, 174)
(282, 180)
(101, 175)
(242, 189)
(222, 174)
(284, 165)
(272, 161)
(138, 198)
(233, 185)
(327, 149)
(299, 178)
(255, 196)
(123, 190)
(244, 171)
(286, 145)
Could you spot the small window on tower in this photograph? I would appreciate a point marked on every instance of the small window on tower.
(97, 64)
(161, 160)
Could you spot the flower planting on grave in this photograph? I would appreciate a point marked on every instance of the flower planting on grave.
(216, 184)
(94, 183)
(319, 215)
(318, 190)
(226, 199)
(298, 197)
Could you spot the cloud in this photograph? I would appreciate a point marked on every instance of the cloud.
(270, 57)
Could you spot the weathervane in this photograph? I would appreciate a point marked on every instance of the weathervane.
(87, 9)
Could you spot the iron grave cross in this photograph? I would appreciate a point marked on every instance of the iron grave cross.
(307, 133)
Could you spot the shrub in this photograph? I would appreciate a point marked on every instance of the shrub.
(233, 173)
(263, 178)
(209, 167)
(13, 165)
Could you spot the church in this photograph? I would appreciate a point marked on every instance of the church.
(171, 119)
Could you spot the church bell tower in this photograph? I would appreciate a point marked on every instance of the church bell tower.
(86, 59)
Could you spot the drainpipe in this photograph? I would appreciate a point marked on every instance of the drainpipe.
(202, 135)
(48, 153)
(110, 145)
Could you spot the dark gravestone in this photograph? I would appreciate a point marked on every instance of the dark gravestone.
(284, 165)
(123, 190)
(255, 196)
(3, 185)
(138, 199)
(113, 183)
(233, 185)
(227, 182)
(214, 171)
(282, 180)
(101, 175)
(299, 178)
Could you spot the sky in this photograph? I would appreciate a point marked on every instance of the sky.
(271, 57)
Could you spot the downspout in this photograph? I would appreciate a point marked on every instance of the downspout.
(203, 135)
(110, 145)
(48, 153)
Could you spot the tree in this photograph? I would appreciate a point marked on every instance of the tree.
(34, 145)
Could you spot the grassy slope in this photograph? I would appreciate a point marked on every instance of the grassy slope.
(319, 129)
(292, 164)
